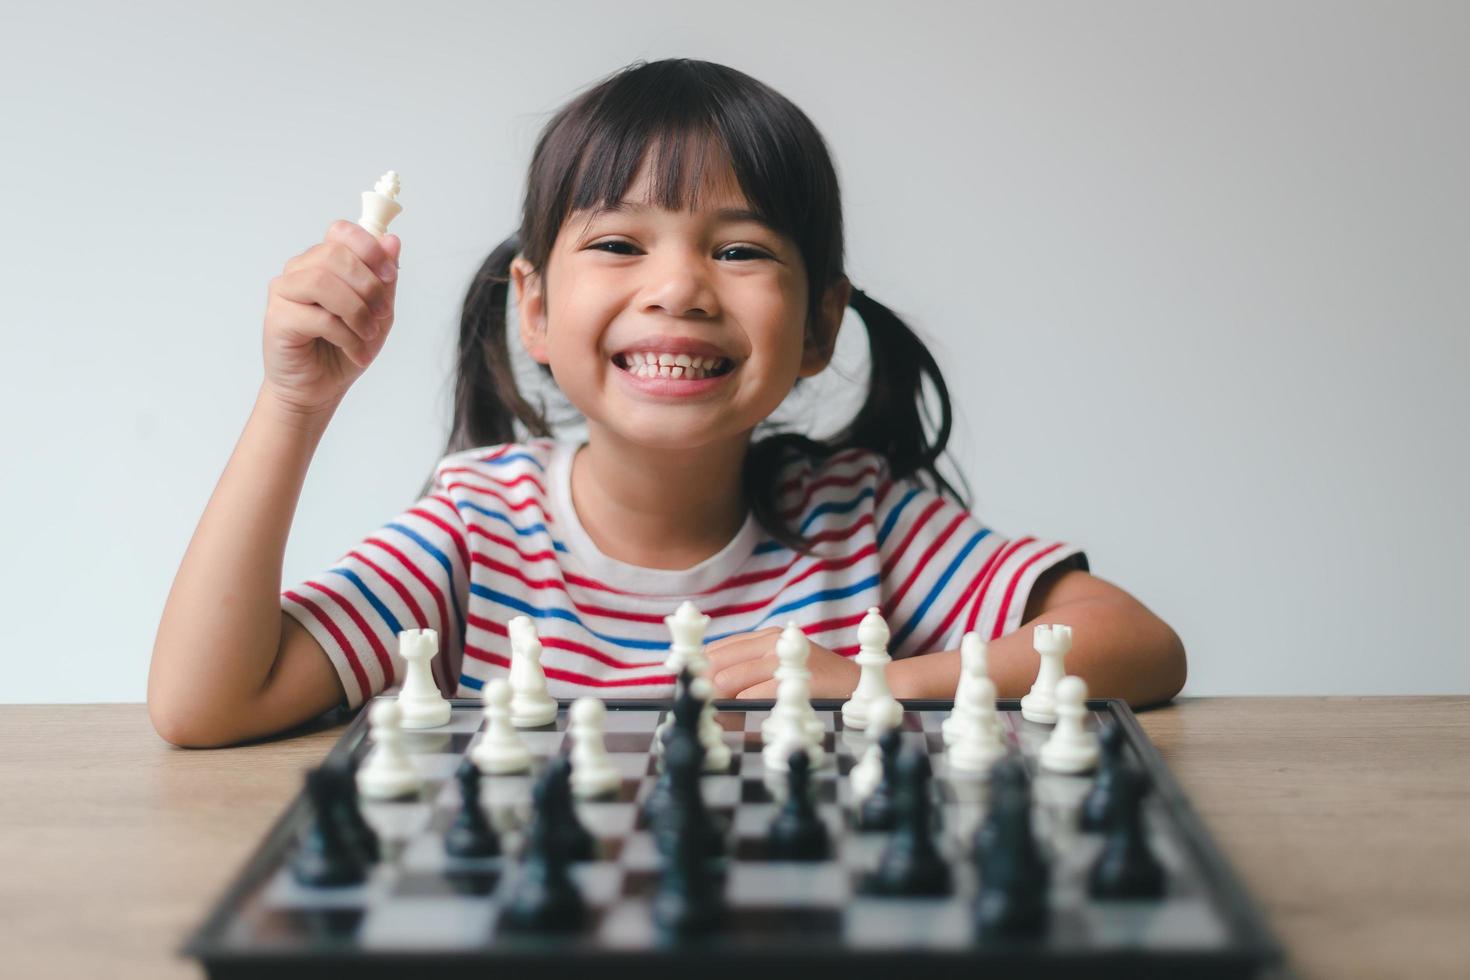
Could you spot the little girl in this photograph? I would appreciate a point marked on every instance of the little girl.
(677, 271)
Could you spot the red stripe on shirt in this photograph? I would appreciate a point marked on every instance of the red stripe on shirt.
(842, 457)
(914, 529)
(961, 603)
(827, 481)
(1005, 601)
(556, 673)
(532, 502)
(455, 530)
(363, 684)
(571, 646)
(1005, 555)
(586, 609)
(896, 598)
(384, 661)
(506, 484)
(418, 574)
(439, 665)
(441, 524)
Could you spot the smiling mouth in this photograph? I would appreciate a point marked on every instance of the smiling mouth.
(673, 366)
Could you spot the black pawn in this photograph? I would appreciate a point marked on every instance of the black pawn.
(688, 900)
(911, 863)
(471, 836)
(328, 858)
(797, 833)
(684, 815)
(879, 811)
(349, 811)
(1099, 800)
(544, 898)
(1014, 878)
(1126, 868)
(686, 709)
(556, 804)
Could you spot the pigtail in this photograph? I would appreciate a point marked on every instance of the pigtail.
(487, 401)
(894, 419)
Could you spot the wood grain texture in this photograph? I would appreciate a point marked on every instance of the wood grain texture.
(1347, 818)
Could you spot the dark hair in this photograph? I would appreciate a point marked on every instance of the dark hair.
(589, 153)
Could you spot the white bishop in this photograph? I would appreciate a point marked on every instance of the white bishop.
(873, 658)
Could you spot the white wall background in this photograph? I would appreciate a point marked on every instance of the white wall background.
(1199, 272)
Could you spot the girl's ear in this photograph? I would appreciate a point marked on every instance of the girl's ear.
(530, 308)
(817, 355)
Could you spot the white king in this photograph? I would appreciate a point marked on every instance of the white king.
(380, 205)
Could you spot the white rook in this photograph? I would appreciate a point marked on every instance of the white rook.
(1052, 644)
(419, 703)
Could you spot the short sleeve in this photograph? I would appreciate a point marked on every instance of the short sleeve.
(412, 573)
(945, 573)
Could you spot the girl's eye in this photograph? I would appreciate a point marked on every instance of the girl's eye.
(629, 245)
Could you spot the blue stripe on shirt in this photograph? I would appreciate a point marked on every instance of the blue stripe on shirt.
(937, 588)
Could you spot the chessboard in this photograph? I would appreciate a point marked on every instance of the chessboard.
(423, 913)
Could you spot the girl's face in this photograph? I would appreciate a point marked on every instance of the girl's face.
(717, 293)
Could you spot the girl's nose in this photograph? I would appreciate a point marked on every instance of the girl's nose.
(679, 286)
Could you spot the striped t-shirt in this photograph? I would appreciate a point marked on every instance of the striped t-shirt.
(497, 537)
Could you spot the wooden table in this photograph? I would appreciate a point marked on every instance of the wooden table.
(1348, 818)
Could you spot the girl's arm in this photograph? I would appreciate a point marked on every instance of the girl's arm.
(228, 664)
(1118, 646)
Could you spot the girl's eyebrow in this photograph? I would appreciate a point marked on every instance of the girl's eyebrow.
(724, 214)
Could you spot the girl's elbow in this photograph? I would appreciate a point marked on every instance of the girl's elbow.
(183, 724)
(1170, 671)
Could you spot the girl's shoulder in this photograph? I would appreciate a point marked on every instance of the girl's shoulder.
(807, 481)
(500, 463)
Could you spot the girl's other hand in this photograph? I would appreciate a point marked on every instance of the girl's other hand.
(327, 316)
(744, 666)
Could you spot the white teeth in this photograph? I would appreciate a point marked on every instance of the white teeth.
(647, 364)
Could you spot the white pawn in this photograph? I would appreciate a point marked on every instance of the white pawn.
(1072, 747)
(593, 773)
(420, 703)
(789, 731)
(500, 750)
(792, 651)
(982, 742)
(1052, 643)
(530, 704)
(885, 715)
(873, 658)
(972, 668)
(386, 773)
